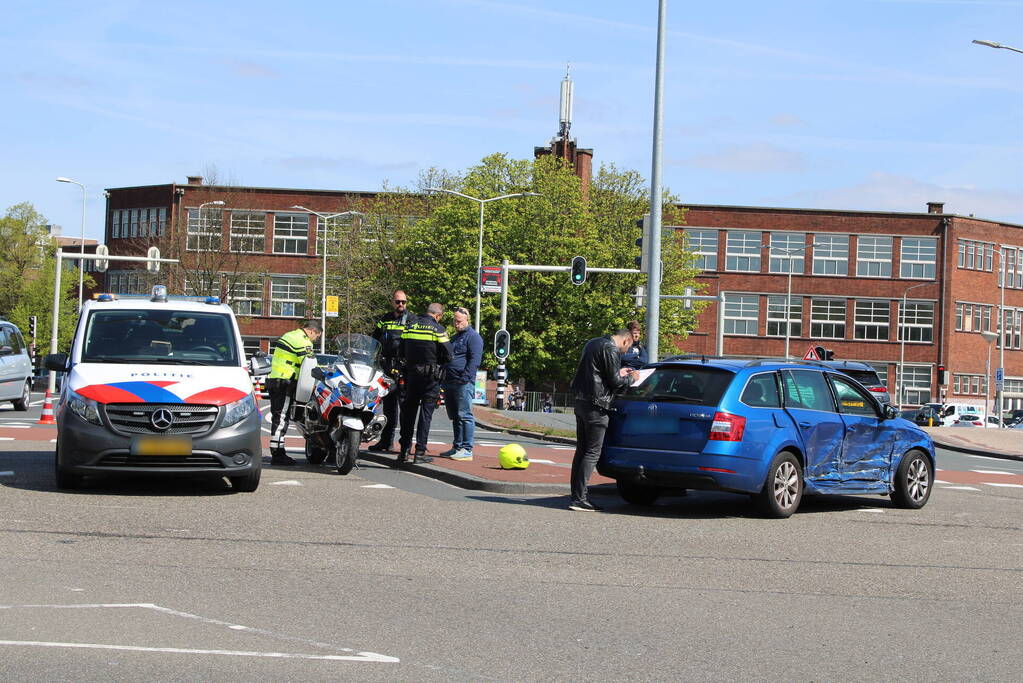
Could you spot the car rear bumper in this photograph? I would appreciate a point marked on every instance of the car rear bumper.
(699, 471)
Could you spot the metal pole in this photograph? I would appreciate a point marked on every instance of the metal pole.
(479, 268)
(653, 310)
(721, 324)
(81, 263)
(1001, 341)
(58, 264)
(504, 320)
(788, 309)
(902, 349)
(323, 287)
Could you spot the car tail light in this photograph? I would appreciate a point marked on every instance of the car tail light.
(715, 469)
(727, 427)
(879, 390)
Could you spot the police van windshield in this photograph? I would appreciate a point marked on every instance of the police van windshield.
(160, 337)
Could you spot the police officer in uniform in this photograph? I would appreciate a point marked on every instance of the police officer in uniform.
(289, 351)
(388, 332)
(426, 349)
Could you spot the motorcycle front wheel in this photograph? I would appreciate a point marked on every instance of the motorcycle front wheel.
(314, 454)
(348, 451)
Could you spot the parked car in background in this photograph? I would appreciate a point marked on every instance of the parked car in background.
(15, 366)
(771, 429)
(926, 416)
(862, 373)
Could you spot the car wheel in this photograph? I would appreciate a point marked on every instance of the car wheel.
(914, 480)
(26, 396)
(246, 483)
(783, 488)
(66, 480)
(637, 494)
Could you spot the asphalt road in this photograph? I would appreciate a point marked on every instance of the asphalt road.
(385, 575)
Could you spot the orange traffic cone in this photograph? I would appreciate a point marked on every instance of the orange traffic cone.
(47, 417)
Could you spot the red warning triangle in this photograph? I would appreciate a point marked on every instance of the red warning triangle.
(811, 354)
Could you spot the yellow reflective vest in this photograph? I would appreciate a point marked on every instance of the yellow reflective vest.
(289, 350)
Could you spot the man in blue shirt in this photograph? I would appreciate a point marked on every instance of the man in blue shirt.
(460, 385)
(635, 356)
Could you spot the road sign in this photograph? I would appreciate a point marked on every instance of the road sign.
(490, 279)
(153, 266)
(999, 378)
(102, 263)
(811, 354)
(332, 307)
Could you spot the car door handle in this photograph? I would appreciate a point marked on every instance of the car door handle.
(805, 425)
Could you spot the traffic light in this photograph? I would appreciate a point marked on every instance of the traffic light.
(32, 326)
(578, 270)
(823, 353)
(643, 260)
(502, 344)
(941, 374)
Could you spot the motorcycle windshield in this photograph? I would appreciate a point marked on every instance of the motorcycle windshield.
(355, 349)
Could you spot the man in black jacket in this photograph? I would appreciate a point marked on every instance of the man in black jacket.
(388, 332)
(598, 378)
(426, 349)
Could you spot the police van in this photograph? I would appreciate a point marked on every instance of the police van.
(157, 386)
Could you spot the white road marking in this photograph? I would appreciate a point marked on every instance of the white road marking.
(6, 438)
(14, 426)
(961, 488)
(8, 473)
(562, 448)
(939, 481)
(545, 462)
(286, 482)
(1008, 486)
(870, 510)
(990, 472)
(984, 457)
(377, 486)
(53, 441)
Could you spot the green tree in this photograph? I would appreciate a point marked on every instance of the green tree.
(27, 266)
(434, 257)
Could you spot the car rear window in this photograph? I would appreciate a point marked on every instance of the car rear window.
(698, 385)
(867, 378)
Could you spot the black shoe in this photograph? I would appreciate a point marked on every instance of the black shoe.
(421, 459)
(584, 506)
(420, 450)
(402, 458)
(281, 459)
(380, 448)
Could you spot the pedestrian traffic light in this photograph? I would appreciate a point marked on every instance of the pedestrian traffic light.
(32, 326)
(502, 344)
(823, 353)
(578, 270)
(941, 374)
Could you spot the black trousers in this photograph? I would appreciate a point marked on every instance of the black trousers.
(590, 426)
(390, 411)
(421, 391)
(282, 393)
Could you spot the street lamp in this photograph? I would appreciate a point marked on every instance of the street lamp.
(899, 378)
(991, 43)
(788, 298)
(479, 251)
(990, 338)
(81, 262)
(1001, 329)
(324, 217)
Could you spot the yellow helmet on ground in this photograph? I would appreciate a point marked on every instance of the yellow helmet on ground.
(513, 457)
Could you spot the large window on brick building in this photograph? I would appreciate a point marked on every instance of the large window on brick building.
(247, 296)
(873, 256)
(742, 251)
(786, 253)
(830, 254)
(776, 317)
(248, 231)
(916, 384)
(975, 255)
(204, 231)
(919, 257)
(704, 246)
(741, 313)
(291, 233)
(127, 282)
(287, 296)
(917, 322)
(871, 320)
(827, 318)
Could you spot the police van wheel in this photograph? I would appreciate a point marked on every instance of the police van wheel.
(26, 395)
(246, 483)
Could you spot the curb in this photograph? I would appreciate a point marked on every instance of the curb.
(467, 481)
(523, 432)
(976, 451)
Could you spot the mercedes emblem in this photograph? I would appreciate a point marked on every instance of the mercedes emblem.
(161, 419)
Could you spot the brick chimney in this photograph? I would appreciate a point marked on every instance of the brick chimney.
(935, 207)
(195, 180)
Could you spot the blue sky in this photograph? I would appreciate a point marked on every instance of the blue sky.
(846, 104)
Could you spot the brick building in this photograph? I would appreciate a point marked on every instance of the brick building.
(849, 273)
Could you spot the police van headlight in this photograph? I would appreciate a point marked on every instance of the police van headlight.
(85, 408)
(238, 411)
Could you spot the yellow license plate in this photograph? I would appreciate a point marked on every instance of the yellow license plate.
(161, 445)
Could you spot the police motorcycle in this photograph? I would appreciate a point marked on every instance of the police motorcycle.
(336, 405)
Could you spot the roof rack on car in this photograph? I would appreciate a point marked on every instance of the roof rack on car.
(702, 357)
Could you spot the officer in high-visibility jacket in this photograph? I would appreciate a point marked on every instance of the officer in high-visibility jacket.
(388, 332)
(426, 349)
(289, 351)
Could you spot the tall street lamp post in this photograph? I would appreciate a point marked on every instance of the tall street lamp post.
(479, 249)
(990, 338)
(991, 43)
(81, 262)
(323, 218)
(788, 251)
(900, 379)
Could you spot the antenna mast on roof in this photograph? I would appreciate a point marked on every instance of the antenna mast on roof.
(565, 117)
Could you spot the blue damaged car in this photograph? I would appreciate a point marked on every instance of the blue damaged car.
(773, 429)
